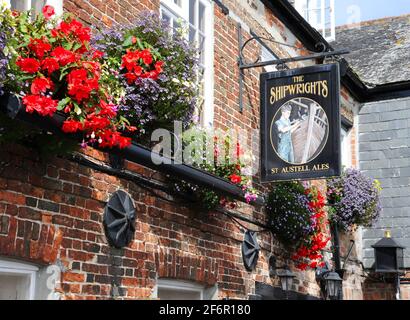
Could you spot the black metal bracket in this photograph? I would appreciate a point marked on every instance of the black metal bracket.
(224, 8)
(322, 53)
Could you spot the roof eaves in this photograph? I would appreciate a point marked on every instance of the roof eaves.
(312, 39)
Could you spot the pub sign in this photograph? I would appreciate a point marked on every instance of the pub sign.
(300, 123)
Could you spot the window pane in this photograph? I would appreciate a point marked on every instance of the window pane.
(166, 17)
(192, 34)
(14, 287)
(202, 49)
(171, 294)
(19, 5)
(192, 12)
(37, 5)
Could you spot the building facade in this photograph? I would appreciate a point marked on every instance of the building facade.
(384, 141)
(51, 210)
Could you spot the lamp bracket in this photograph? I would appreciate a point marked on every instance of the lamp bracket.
(323, 52)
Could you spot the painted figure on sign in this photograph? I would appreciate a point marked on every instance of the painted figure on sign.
(284, 129)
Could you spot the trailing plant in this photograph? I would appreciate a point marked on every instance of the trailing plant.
(298, 220)
(219, 155)
(151, 71)
(353, 199)
(56, 70)
(6, 31)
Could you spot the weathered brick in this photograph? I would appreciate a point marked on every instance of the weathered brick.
(48, 206)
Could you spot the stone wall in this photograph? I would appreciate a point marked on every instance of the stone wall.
(384, 143)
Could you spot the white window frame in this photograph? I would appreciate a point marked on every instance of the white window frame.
(314, 11)
(57, 4)
(207, 115)
(346, 152)
(9, 267)
(180, 285)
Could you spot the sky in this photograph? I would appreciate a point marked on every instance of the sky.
(354, 11)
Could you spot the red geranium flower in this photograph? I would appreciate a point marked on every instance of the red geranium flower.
(98, 54)
(50, 65)
(131, 77)
(96, 123)
(130, 59)
(48, 12)
(107, 109)
(79, 85)
(158, 66)
(28, 65)
(40, 85)
(73, 28)
(45, 106)
(146, 56)
(63, 56)
(39, 47)
(235, 179)
(72, 126)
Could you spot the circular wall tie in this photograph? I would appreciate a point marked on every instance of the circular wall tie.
(119, 219)
(250, 250)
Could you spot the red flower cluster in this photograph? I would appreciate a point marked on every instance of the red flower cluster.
(80, 84)
(28, 65)
(72, 30)
(67, 67)
(41, 85)
(42, 104)
(309, 254)
(48, 12)
(139, 65)
(63, 56)
(235, 179)
(39, 47)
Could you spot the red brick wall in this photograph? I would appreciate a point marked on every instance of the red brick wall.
(108, 12)
(51, 209)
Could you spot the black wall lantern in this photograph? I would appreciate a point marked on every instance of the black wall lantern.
(285, 276)
(388, 255)
(333, 285)
(286, 280)
(330, 282)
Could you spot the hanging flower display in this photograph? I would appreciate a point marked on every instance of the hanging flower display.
(56, 69)
(222, 157)
(151, 70)
(6, 31)
(353, 199)
(298, 220)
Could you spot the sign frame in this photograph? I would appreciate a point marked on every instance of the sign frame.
(273, 167)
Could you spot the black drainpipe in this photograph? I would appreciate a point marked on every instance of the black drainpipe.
(336, 254)
(135, 153)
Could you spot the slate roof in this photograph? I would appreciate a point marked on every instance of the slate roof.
(380, 49)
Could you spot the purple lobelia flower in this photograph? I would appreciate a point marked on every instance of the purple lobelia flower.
(3, 60)
(147, 103)
(353, 199)
(290, 216)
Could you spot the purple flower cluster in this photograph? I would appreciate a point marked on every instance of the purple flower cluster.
(290, 216)
(148, 103)
(353, 199)
(3, 61)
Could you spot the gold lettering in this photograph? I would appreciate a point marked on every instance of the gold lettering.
(319, 88)
(272, 96)
(325, 90)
